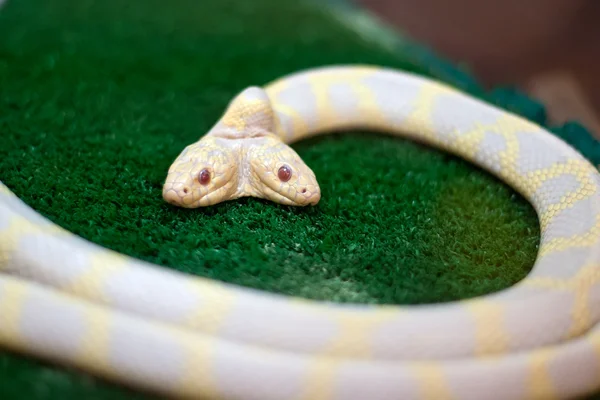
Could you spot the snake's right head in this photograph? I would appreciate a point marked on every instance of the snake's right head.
(202, 175)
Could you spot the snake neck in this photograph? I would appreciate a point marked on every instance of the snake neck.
(249, 115)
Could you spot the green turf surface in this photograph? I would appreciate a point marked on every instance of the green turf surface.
(96, 108)
(99, 97)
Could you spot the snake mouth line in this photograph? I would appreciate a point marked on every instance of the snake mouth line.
(180, 195)
(311, 200)
(172, 197)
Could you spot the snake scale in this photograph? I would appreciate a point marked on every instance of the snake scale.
(78, 304)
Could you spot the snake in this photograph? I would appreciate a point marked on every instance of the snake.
(75, 303)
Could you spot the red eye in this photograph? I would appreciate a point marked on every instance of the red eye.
(284, 174)
(204, 177)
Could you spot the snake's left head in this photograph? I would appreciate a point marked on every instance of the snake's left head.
(280, 175)
(202, 175)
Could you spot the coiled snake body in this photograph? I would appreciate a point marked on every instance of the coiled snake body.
(179, 335)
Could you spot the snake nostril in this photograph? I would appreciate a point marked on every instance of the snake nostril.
(304, 190)
(186, 190)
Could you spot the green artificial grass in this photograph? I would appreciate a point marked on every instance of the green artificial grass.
(98, 98)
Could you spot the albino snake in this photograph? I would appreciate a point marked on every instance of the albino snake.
(73, 302)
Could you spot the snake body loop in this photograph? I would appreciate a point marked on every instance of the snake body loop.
(186, 336)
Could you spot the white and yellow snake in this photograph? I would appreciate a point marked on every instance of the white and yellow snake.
(76, 303)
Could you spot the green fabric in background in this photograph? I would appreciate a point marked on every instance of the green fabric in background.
(99, 97)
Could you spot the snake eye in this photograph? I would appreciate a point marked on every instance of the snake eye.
(204, 177)
(285, 173)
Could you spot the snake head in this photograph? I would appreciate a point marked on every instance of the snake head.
(203, 174)
(241, 156)
(279, 174)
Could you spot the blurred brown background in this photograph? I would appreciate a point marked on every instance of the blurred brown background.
(550, 48)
